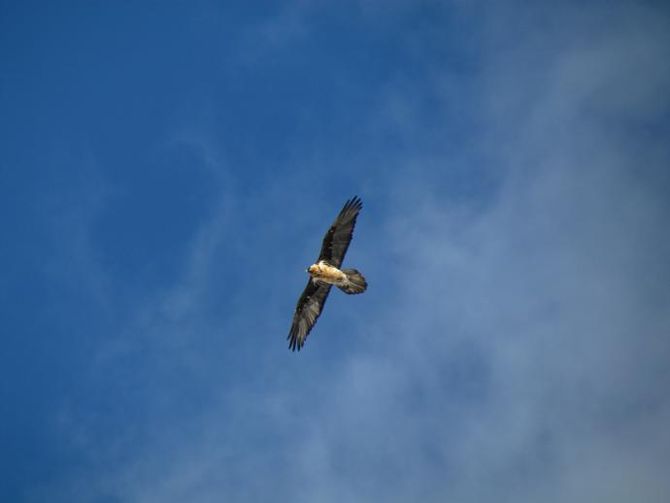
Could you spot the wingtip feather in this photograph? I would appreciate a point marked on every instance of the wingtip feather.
(355, 203)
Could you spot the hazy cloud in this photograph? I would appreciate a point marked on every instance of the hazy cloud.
(517, 349)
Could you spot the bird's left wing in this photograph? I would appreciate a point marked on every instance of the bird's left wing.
(307, 311)
(337, 238)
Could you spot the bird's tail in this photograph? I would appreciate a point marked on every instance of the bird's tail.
(355, 282)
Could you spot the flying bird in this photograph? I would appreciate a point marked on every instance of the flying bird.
(326, 272)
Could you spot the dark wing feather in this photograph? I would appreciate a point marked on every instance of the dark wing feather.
(307, 311)
(337, 239)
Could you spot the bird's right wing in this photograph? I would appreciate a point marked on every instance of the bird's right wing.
(307, 311)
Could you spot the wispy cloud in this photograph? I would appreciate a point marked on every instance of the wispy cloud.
(517, 349)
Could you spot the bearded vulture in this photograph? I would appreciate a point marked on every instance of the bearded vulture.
(326, 272)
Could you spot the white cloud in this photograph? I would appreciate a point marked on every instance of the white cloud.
(524, 357)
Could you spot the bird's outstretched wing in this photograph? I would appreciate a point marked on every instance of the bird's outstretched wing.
(307, 311)
(337, 239)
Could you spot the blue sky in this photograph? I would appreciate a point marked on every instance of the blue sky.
(168, 170)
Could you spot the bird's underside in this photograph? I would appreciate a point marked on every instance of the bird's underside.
(326, 272)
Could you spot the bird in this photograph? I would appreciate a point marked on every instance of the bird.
(326, 272)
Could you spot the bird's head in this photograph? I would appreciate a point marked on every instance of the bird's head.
(311, 269)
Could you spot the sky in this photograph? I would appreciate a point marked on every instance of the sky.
(167, 172)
